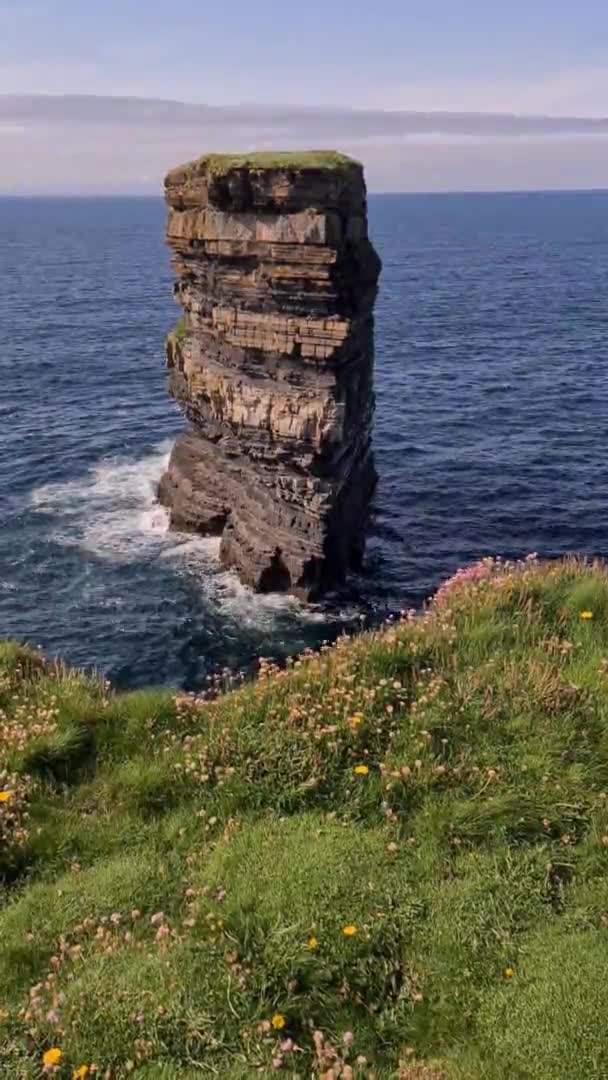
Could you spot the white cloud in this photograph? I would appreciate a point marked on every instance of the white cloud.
(94, 144)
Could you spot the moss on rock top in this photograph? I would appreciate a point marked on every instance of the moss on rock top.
(259, 161)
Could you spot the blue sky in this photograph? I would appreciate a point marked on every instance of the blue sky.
(544, 56)
(416, 58)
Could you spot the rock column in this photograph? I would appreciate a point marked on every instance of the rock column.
(272, 364)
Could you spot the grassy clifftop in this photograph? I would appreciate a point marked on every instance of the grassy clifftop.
(387, 861)
(259, 161)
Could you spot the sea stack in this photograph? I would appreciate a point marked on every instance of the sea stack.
(272, 364)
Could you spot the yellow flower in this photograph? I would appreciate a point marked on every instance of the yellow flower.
(361, 770)
(81, 1073)
(52, 1057)
(350, 930)
(278, 1021)
(313, 943)
(356, 719)
(508, 973)
(5, 796)
(586, 614)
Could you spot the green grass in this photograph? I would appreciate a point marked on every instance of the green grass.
(179, 330)
(544, 1024)
(175, 873)
(270, 159)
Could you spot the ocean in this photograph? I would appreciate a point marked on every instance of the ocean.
(491, 428)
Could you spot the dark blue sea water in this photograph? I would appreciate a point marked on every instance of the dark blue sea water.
(491, 434)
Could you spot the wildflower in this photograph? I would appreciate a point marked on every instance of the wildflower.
(586, 614)
(350, 930)
(361, 770)
(278, 1021)
(356, 719)
(52, 1057)
(313, 943)
(81, 1072)
(5, 796)
(508, 973)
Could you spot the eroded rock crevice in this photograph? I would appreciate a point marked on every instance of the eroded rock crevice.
(272, 364)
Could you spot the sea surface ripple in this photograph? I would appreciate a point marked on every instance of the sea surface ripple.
(491, 429)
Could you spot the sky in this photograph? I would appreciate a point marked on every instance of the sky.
(542, 58)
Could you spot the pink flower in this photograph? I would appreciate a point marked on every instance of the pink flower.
(466, 575)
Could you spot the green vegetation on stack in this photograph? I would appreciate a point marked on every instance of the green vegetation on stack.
(388, 860)
(180, 330)
(272, 159)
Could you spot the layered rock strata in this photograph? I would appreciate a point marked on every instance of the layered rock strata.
(272, 364)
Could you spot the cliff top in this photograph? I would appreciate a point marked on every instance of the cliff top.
(404, 838)
(269, 181)
(259, 161)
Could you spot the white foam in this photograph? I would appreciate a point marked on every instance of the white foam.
(113, 513)
(112, 510)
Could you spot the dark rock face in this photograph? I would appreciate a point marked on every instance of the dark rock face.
(272, 364)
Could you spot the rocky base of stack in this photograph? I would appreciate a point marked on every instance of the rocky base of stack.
(272, 364)
(276, 541)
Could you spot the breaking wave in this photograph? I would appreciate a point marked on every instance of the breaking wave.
(112, 512)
